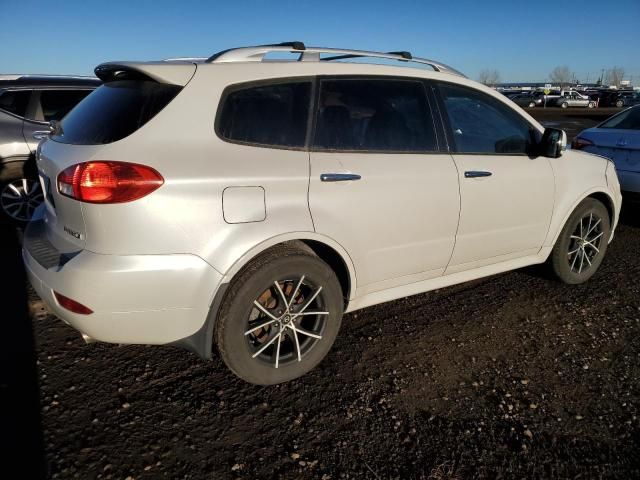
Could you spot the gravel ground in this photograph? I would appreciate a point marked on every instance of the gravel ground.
(512, 376)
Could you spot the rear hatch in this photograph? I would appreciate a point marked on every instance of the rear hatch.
(131, 96)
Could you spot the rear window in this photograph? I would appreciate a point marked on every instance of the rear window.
(15, 101)
(114, 111)
(271, 115)
(627, 120)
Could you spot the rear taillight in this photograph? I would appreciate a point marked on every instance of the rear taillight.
(72, 305)
(108, 182)
(579, 143)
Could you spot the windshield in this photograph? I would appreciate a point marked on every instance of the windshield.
(627, 120)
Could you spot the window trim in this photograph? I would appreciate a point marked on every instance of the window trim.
(453, 149)
(316, 112)
(229, 89)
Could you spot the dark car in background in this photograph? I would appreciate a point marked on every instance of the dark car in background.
(627, 98)
(28, 103)
(527, 100)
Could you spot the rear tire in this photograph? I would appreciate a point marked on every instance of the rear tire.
(619, 104)
(582, 243)
(273, 342)
(564, 105)
(591, 105)
(532, 104)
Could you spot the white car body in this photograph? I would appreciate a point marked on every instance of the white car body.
(153, 270)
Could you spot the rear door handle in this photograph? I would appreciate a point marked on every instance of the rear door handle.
(339, 177)
(477, 174)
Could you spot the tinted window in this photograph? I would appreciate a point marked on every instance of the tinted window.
(114, 111)
(15, 102)
(627, 120)
(374, 115)
(55, 104)
(274, 115)
(482, 124)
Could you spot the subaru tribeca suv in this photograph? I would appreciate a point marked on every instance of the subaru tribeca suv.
(249, 204)
(28, 103)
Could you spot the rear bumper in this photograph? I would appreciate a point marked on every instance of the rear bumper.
(148, 299)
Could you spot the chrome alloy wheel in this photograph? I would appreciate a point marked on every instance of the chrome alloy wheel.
(584, 245)
(287, 320)
(19, 198)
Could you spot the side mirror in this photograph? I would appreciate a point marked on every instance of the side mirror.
(553, 143)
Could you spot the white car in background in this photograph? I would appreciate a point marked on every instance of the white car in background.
(574, 99)
(248, 204)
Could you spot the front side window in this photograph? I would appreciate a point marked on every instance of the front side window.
(55, 104)
(374, 115)
(15, 101)
(483, 124)
(271, 115)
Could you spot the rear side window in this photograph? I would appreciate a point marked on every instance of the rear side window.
(114, 111)
(15, 101)
(374, 115)
(270, 115)
(55, 104)
(627, 120)
(483, 124)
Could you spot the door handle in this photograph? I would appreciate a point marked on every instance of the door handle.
(40, 134)
(339, 177)
(477, 174)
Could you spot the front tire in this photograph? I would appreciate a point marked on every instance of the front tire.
(280, 317)
(582, 243)
(591, 105)
(564, 105)
(619, 104)
(532, 104)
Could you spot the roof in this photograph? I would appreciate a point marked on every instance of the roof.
(47, 80)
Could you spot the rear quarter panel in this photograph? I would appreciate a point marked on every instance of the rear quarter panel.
(185, 215)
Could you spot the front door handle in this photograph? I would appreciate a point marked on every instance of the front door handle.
(477, 174)
(40, 134)
(339, 177)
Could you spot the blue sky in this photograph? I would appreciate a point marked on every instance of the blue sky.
(524, 41)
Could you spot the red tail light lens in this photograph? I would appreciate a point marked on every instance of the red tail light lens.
(72, 305)
(579, 143)
(108, 182)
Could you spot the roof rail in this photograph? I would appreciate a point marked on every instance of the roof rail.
(185, 59)
(257, 54)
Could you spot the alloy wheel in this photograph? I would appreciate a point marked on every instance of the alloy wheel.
(286, 322)
(585, 242)
(19, 198)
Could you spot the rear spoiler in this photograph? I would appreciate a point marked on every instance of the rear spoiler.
(162, 72)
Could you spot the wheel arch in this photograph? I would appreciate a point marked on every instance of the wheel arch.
(324, 247)
(597, 194)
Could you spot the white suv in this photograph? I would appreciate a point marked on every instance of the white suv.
(249, 203)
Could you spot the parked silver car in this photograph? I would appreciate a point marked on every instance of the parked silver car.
(617, 138)
(27, 104)
(574, 99)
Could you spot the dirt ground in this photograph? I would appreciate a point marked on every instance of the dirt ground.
(512, 376)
